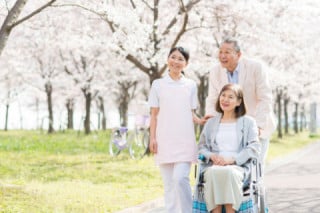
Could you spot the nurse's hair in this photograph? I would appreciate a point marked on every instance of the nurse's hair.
(184, 53)
(239, 110)
(182, 50)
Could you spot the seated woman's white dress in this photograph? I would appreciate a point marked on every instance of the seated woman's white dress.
(223, 184)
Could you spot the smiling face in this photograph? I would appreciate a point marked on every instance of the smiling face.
(176, 62)
(228, 56)
(228, 101)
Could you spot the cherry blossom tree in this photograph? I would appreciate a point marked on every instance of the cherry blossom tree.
(12, 18)
(128, 85)
(12, 88)
(295, 60)
(109, 38)
(83, 59)
(147, 36)
(47, 69)
(285, 58)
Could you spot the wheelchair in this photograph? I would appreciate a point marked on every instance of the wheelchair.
(254, 193)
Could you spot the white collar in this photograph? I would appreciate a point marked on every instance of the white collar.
(168, 79)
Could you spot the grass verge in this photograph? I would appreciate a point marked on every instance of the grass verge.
(65, 172)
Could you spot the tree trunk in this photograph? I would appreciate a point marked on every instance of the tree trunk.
(104, 121)
(202, 95)
(70, 109)
(128, 93)
(313, 118)
(123, 110)
(286, 117)
(295, 118)
(87, 129)
(48, 88)
(104, 117)
(153, 75)
(302, 119)
(99, 125)
(7, 111)
(11, 18)
(279, 97)
(7, 117)
(102, 111)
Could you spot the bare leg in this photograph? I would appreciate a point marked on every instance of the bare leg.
(229, 208)
(218, 209)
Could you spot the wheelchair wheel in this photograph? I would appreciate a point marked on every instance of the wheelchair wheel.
(139, 141)
(115, 143)
(262, 199)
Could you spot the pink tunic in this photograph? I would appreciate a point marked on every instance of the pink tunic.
(175, 130)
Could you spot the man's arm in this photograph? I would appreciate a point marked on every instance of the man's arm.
(264, 96)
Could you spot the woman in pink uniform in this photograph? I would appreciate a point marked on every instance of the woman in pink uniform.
(173, 100)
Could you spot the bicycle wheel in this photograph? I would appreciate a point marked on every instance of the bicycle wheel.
(146, 141)
(114, 148)
(138, 144)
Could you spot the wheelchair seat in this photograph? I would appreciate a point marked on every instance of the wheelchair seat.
(252, 186)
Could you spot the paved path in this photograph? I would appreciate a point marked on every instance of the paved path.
(293, 184)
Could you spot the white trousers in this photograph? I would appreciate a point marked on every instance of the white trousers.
(177, 189)
(264, 152)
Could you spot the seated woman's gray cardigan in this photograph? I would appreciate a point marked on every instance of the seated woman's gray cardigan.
(247, 135)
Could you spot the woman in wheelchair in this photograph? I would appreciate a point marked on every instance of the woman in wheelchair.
(227, 142)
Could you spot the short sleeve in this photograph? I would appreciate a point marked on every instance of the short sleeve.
(153, 100)
(194, 98)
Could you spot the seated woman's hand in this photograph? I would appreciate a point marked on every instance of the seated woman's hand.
(221, 161)
(229, 161)
(217, 160)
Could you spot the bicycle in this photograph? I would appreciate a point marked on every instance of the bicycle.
(137, 141)
(118, 141)
(139, 138)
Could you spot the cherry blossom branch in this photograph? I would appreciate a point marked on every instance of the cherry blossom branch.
(48, 4)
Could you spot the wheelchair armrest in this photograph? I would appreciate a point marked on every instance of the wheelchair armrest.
(202, 158)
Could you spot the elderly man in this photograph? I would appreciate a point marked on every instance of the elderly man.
(254, 82)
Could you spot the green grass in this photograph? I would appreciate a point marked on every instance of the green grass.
(65, 172)
(289, 143)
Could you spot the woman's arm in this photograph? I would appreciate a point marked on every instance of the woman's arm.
(153, 146)
(204, 147)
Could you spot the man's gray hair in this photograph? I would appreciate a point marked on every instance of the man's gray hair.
(233, 41)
